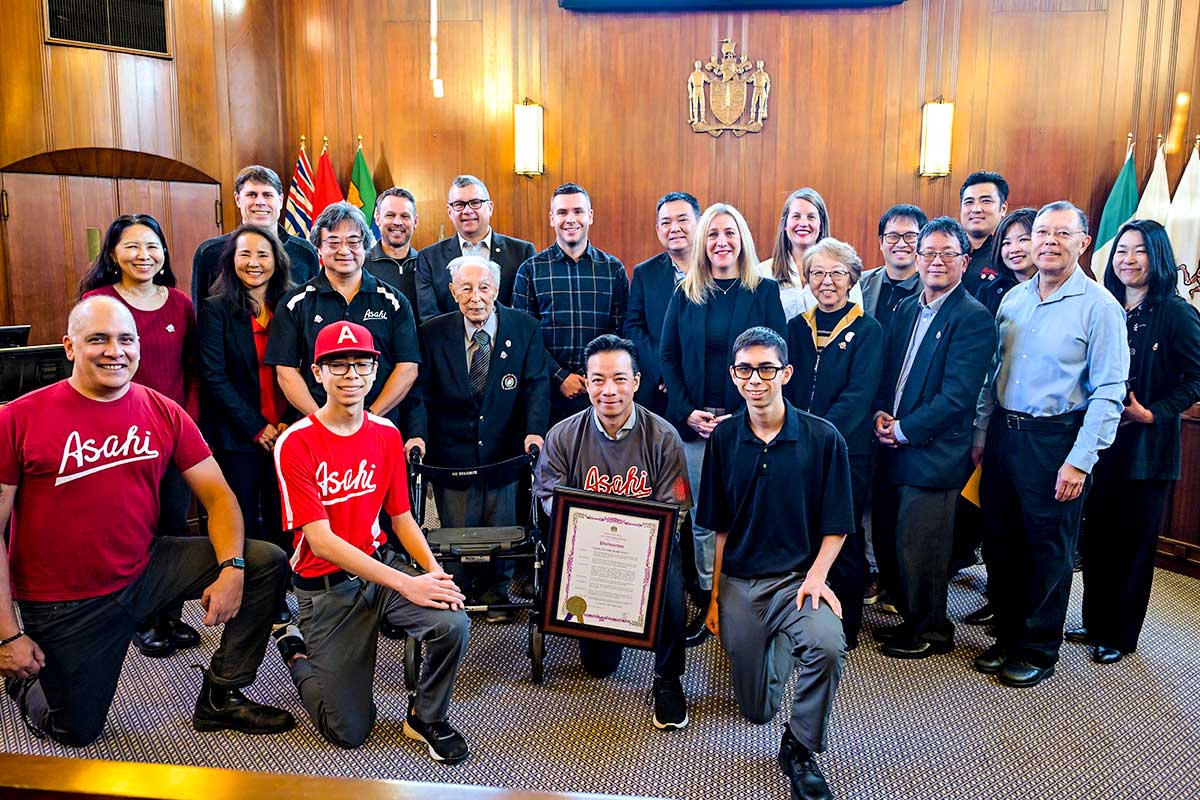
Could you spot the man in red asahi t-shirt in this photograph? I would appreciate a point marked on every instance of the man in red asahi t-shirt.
(80, 466)
(337, 467)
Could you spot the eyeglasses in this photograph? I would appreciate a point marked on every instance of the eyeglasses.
(1062, 235)
(355, 243)
(340, 368)
(817, 276)
(743, 372)
(929, 256)
(893, 237)
(475, 203)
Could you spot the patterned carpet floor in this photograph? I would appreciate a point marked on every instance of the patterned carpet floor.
(924, 729)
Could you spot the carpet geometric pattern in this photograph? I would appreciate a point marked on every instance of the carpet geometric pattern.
(926, 729)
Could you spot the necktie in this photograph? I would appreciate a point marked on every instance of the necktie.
(479, 362)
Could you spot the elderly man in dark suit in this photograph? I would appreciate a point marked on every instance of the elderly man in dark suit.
(482, 397)
(470, 209)
(937, 351)
(650, 291)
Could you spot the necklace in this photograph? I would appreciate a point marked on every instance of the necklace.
(725, 291)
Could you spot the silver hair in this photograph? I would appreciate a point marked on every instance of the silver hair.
(456, 266)
(1065, 205)
(335, 214)
(463, 181)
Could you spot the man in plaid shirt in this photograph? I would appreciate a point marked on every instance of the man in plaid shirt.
(578, 292)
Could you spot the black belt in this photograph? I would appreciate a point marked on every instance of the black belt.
(332, 579)
(1016, 421)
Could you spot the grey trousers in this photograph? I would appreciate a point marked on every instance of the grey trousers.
(765, 635)
(704, 541)
(472, 507)
(341, 630)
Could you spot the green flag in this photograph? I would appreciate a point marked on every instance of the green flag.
(1122, 202)
(362, 189)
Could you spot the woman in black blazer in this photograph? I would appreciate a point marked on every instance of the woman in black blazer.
(721, 296)
(244, 410)
(836, 352)
(1012, 252)
(1124, 509)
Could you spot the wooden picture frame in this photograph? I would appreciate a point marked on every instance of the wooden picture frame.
(608, 561)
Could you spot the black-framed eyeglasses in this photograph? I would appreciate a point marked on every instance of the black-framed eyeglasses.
(743, 372)
(475, 203)
(891, 237)
(946, 256)
(340, 368)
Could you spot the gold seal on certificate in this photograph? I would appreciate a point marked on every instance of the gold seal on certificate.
(608, 566)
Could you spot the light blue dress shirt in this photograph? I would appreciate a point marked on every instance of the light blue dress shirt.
(1066, 353)
(924, 320)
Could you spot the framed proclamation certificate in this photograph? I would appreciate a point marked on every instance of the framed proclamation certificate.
(608, 567)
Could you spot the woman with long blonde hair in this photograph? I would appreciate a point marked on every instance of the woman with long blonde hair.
(722, 295)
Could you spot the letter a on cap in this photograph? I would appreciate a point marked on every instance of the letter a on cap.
(346, 334)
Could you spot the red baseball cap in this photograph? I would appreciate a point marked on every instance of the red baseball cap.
(343, 337)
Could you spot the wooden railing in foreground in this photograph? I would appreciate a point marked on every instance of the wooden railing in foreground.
(43, 778)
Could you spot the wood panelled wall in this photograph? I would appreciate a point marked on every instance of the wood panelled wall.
(1045, 92)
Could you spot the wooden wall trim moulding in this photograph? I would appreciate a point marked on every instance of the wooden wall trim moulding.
(109, 162)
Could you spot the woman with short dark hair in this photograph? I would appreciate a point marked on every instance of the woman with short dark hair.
(244, 409)
(1132, 479)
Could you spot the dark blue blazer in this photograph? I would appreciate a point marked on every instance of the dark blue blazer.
(460, 431)
(433, 280)
(937, 408)
(229, 412)
(649, 293)
(683, 350)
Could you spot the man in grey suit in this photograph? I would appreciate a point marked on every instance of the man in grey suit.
(897, 278)
(470, 208)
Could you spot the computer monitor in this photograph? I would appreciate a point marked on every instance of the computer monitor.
(23, 369)
(14, 335)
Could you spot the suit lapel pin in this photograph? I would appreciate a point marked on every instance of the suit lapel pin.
(849, 335)
(1155, 348)
(841, 345)
(508, 342)
(504, 354)
(937, 335)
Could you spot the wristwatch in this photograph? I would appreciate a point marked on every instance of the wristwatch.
(237, 562)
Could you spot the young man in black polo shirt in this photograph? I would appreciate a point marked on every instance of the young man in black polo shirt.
(344, 291)
(777, 492)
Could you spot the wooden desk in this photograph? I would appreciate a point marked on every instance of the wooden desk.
(44, 778)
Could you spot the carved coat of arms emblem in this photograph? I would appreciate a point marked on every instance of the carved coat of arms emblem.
(730, 79)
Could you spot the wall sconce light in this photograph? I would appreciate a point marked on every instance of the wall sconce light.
(529, 157)
(937, 127)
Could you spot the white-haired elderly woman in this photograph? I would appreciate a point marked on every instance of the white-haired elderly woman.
(836, 352)
(343, 290)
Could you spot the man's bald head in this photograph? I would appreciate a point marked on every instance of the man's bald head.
(85, 311)
(102, 344)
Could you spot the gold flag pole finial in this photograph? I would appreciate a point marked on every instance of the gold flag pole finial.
(303, 139)
(360, 141)
(1159, 139)
(325, 143)
(1197, 144)
(1129, 139)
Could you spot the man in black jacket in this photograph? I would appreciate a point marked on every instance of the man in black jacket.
(650, 290)
(486, 378)
(258, 193)
(470, 209)
(937, 350)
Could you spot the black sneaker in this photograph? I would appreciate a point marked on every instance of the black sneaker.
(497, 616)
(445, 743)
(670, 704)
(801, 769)
(289, 641)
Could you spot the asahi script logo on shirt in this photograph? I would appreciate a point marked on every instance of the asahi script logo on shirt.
(370, 315)
(634, 483)
(338, 487)
(83, 457)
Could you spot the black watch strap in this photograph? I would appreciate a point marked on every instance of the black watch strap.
(237, 562)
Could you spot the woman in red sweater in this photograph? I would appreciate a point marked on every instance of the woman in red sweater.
(135, 268)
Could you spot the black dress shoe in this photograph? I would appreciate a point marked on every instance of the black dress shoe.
(802, 770)
(153, 643)
(991, 661)
(180, 633)
(283, 615)
(1078, 635)
(982, 616)
(221, 708)
(696, 632)
(1106, 655)
(915, 648)
(892, 633)
(1023, 675)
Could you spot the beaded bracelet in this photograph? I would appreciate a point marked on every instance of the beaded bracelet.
(12, 638)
